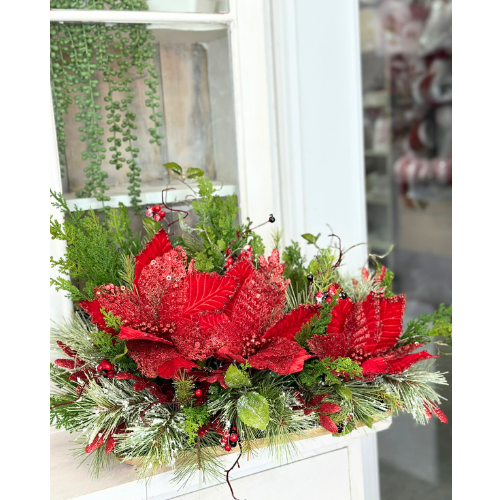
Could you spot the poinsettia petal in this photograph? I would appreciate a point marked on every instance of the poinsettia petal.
(363, 327)
(215, 376)
(339, 315)
(150, 355)
(208, 292)
(291, 324)
(329, 408)
(281, 356)
(316, 400)
(127, 333)
(328, 424)
(98, 440)
(391, 317)
(330, 345)
(380, 365)
(159, 245)
(170, 368)
(242, 270)
(226, 354)
(209, 321)
(93, 309)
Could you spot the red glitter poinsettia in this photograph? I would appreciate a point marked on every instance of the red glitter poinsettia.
(253, 326)
(161, 316)
(367, 332)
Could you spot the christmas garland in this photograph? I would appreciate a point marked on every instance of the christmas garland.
(193, 345)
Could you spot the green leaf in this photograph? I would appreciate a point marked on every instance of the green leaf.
(310, 238)
(176, 169)
(253, 410)
(192, 173)
(344, 391)
(236, 378)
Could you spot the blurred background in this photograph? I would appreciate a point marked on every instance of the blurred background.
(406, 59)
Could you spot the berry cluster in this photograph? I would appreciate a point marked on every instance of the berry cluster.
(247, 251)
(332, 291)
(106, 368)
(155, 212)
(230, 439)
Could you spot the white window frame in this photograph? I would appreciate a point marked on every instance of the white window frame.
(257, 190)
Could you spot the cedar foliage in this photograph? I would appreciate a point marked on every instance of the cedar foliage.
(217, 229)
(94, 250)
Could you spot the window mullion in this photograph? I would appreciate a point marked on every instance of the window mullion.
(141, 17)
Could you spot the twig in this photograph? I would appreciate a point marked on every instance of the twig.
(229, 470)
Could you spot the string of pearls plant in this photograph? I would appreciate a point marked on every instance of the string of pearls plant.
(82, 55)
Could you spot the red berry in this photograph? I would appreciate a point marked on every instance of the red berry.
(106, 364)
(100, 368)
(162, 213)
(111, 374)
(157, 217)
(228, 251)
(328, 300)
(234, 428)
(227, 447)
(225, 435)
(233, 437)
(223, 442)
(198, 393)
(230, 260)
(319, 295)
(157, 208)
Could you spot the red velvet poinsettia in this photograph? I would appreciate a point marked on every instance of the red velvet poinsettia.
(161, 315)
(253, 326)
(367, 332)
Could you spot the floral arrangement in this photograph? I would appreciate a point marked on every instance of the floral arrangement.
(188, 345)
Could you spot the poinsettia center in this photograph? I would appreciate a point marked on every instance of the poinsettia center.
(158, 329)
(252, 343)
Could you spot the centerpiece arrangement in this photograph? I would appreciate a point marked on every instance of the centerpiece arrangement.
(187, 345)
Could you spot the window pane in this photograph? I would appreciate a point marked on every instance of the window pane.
(200, 6)
(193, 95)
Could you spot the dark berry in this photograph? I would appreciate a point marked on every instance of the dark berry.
(271, 218)
(233, 443)
(343, 295)
(310, 277)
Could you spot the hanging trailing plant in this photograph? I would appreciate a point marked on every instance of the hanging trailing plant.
(84, 54)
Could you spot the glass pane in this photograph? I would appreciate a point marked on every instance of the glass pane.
(200, 6)
(169, 98)
(406, 68)
(194, 6)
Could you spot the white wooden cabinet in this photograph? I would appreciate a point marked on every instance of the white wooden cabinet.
(329, 467)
